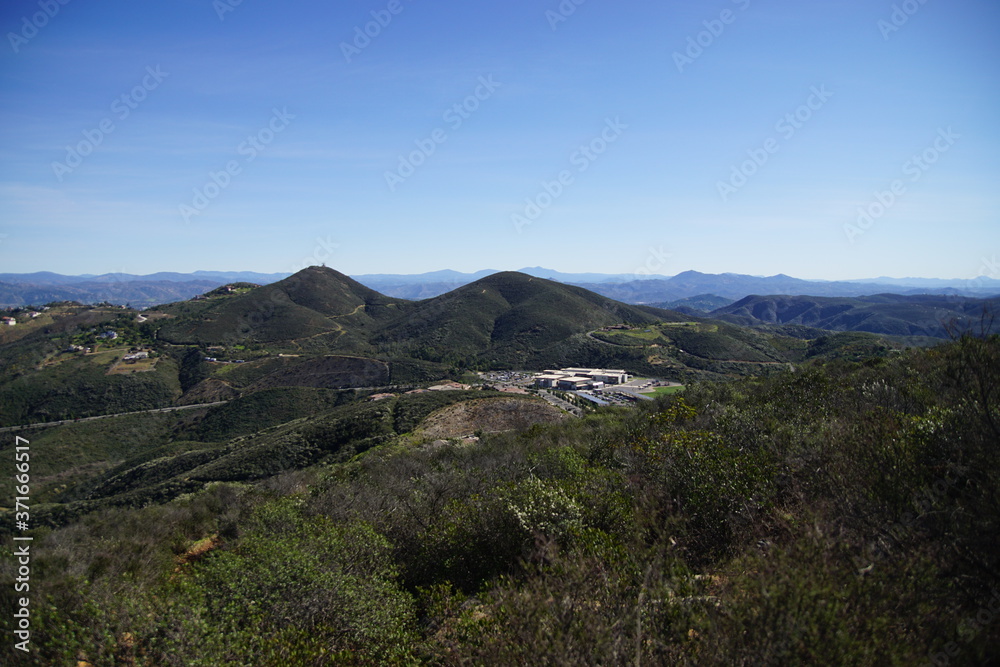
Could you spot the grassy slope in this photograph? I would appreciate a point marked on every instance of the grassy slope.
(132, 461)
(888, 314)
(80, 387)
(64, 457)
(507, 319)
(311, 303)
(39, 383)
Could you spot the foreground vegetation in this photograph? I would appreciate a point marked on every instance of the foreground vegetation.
(846, 513)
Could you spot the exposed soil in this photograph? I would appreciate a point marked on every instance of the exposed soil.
(490, 415)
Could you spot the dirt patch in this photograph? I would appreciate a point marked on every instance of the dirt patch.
(126, 367)
(490, 415)
(198, 550)
(209, 390)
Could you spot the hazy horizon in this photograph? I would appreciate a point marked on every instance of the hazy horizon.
(629, 276)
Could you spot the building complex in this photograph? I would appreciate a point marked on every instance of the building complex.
(580, 378)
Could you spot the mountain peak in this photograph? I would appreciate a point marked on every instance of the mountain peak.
(328, 291)
(507, 276)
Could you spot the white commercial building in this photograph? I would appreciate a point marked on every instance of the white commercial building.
(581, 378)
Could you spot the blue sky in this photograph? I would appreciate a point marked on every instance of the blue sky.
(745, 136)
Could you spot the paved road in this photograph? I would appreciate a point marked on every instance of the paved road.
(173, 408)
(120, 414)
(554, 400)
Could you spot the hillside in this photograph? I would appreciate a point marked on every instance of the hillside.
(504, 320)
(133, 460)
(888, 314)
(488, 415)
(311, 303)
(507, 318)
(327, 507)
(845, 513)
(321, 329)
(47, 372)
(696, 305)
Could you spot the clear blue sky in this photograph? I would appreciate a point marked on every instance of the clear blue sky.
(199, 77)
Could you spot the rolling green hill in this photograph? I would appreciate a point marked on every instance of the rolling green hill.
(697, 305)
(499, 312)
(508, 319)
(138, 459)
(505, 320)
(309, 304)
(888, 314)
(321, 329)
(46, 375)
(83, 387)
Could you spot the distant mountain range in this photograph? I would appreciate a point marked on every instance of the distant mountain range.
(218, 277)
(659, 290)
(22, 289)
(158, 288)
(138, 293)
(736, 286)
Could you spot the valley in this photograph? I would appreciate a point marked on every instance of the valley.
(251, 366)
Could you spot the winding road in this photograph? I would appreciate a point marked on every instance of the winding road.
(61, 422)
